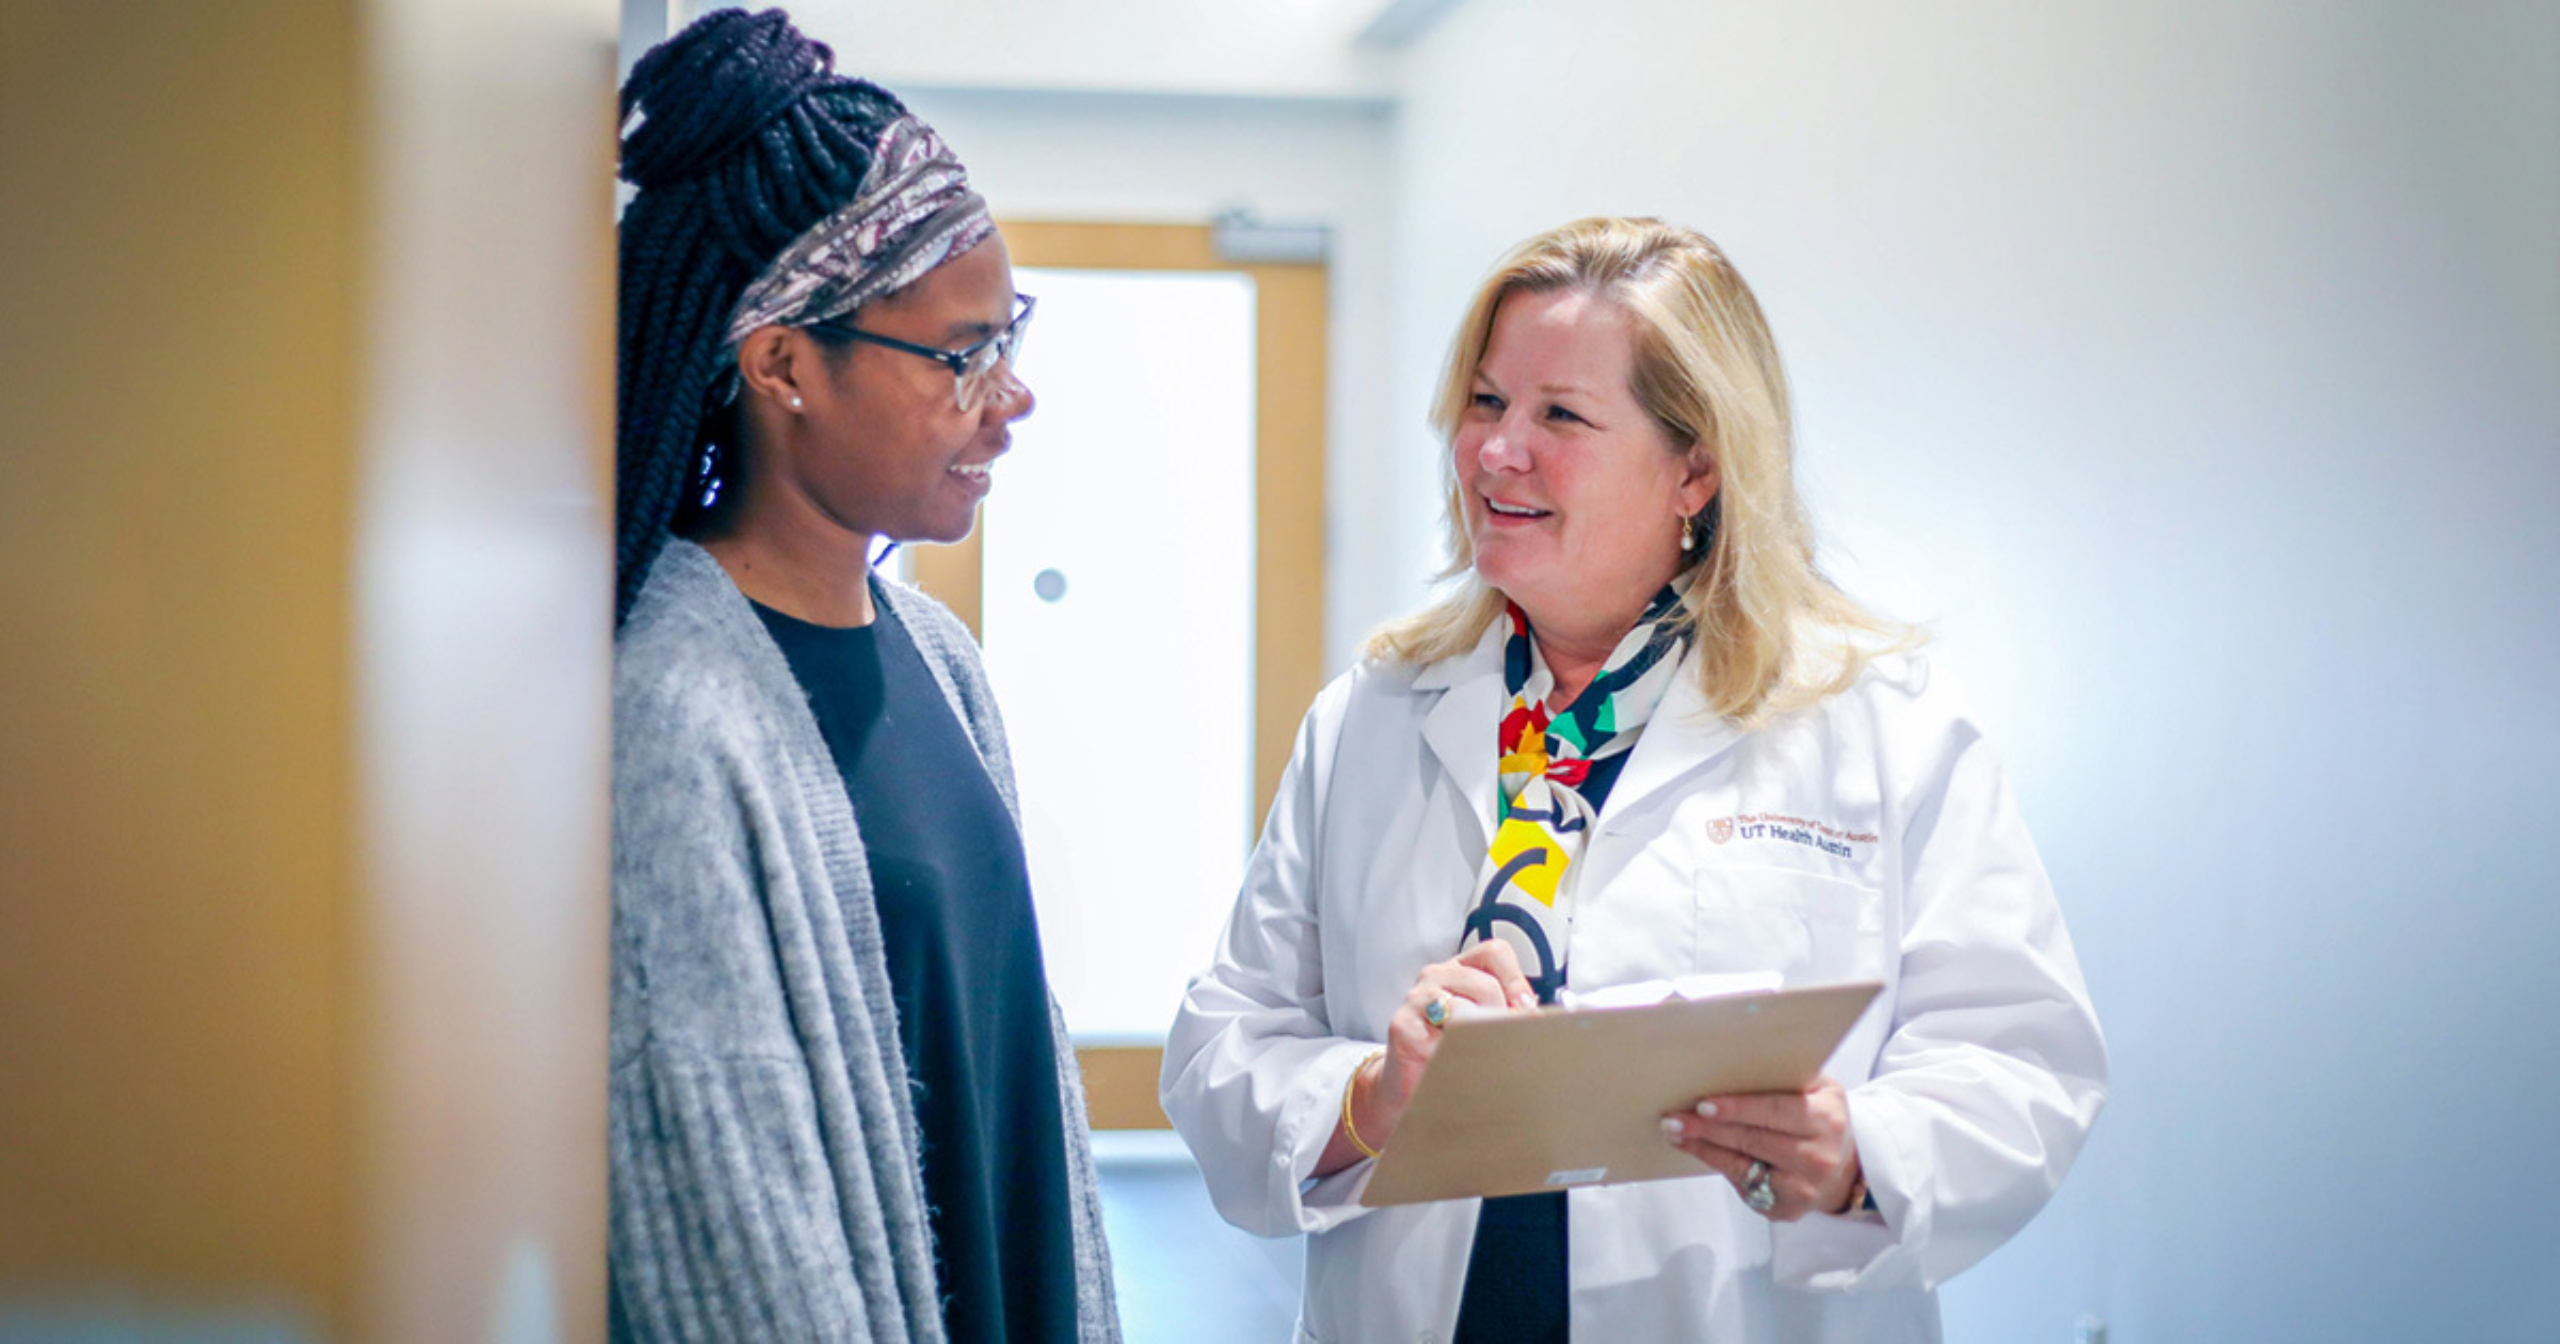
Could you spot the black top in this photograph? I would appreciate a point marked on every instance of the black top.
(963, 945)
(1518, 1286)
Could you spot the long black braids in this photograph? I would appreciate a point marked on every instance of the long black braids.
(746, 138)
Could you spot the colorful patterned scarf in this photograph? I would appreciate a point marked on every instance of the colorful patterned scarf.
(913, 211)
(1527, 882)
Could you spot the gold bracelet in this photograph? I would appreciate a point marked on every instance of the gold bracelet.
(1347, 1089)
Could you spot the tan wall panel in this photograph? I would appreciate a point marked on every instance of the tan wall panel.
(177, 254)
(956, 576)
(1113, 247)
(1288, 650)
(1120, 1086)
(305, 587)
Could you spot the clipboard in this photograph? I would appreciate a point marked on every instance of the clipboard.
(1520, 1103)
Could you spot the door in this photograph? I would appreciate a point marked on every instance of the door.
(1147, 580)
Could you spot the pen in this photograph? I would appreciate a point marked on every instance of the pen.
(1449, 1008)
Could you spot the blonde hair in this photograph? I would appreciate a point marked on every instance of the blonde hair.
(1774, 634)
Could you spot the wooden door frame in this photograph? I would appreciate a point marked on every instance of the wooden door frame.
(1289, 443)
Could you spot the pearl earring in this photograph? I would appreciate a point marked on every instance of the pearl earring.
(795, 401)
(1688, 534)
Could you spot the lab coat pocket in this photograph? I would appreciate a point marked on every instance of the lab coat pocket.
(1810, 928)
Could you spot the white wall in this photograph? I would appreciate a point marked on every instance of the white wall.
(2196, 369)
(1266, 48)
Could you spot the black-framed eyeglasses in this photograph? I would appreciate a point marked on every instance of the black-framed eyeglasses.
(973, 368)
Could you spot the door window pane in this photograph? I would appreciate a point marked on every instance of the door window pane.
(1118, 620)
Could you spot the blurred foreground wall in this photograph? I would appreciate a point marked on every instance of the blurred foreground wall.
(304, 411)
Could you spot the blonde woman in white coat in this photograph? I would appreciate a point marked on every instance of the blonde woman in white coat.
(1711, 760)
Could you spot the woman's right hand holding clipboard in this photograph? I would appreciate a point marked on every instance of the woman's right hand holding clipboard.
(1486, 978)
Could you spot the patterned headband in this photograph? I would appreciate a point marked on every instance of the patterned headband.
(913, 212)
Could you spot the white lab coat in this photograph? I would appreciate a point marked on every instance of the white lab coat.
(1869, 837)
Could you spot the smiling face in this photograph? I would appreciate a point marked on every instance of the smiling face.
(1571, 493)
(882, 448)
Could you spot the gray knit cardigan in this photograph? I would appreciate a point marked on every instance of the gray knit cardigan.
(765, 1175)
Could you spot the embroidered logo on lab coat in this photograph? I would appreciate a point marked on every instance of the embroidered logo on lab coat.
(1838, 842)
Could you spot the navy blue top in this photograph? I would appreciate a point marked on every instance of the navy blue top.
(1517, 1286)
(963, 948)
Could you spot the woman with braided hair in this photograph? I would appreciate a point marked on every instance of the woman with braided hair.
(842, 1103)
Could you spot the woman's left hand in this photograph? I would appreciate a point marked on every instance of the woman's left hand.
(1803, 1136)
